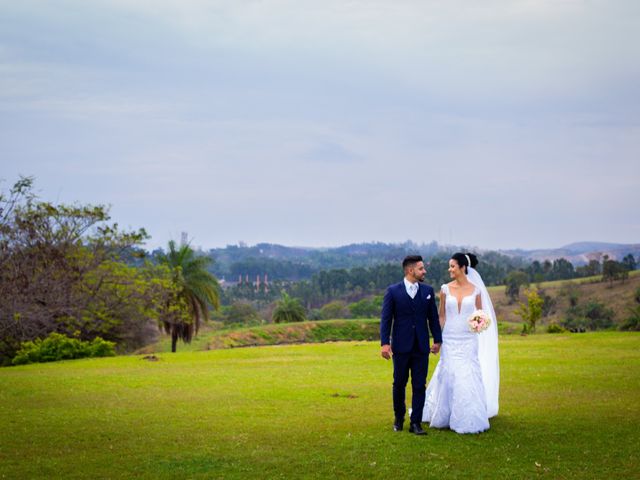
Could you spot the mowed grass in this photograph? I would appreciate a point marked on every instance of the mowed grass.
(569, 409)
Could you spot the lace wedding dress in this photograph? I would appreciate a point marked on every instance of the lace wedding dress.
(455, 395)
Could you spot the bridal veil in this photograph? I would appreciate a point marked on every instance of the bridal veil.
(488, 347)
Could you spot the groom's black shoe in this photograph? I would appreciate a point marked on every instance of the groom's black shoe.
(397, 425)
(417, 429)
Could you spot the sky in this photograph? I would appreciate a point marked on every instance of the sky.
(496, 124)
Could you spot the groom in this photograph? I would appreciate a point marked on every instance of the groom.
(406, 309)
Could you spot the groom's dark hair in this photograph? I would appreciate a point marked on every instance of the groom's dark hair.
(411, 260)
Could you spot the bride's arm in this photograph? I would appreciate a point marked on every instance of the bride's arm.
(441, 309)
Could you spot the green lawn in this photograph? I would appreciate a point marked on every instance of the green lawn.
(569, 409)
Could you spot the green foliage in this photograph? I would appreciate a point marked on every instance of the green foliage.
(632, 322)
(335, 309)
(239, 313)
(367, 307)
(60, 271)
(296, 332)
(288, 310)
(555, 328)
(60, 347)
(531, 313)
(593, 315)
(548, 303)
(612, 270)
(629, 262)
(196, 291)
(513, 282)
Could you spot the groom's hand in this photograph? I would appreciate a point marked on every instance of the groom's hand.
(386, 351)
(435, 348)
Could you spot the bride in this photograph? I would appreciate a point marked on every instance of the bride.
(463, 391)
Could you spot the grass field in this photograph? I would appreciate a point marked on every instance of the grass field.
(569, 409)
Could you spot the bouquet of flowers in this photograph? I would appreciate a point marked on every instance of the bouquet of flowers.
(479, 321)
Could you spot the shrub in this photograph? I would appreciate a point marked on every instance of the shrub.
(531, 312)
(288, 310)
(239, 313)
(555, 328)
(335, 309)
(633, 320)
(593, 315)
(59, 347)
(367, 307)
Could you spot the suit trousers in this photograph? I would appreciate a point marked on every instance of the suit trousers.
(416, 362)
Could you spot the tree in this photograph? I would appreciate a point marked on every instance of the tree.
(60, 271)
(515, 279)
(197, 290)
(612, 270)
(241, 313)
(367, 307)
(593, 315)
(561, 269)
(592, 269)
(532, 311)
(629, 262)
(288, 309)
(335, 309)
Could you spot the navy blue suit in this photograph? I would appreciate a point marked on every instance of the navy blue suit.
(405, 324)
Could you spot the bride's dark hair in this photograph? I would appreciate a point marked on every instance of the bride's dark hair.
(463, 259)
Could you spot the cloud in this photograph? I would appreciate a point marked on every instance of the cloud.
(310, 123)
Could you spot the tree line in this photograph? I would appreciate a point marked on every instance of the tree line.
(70, 270)
(64, 270)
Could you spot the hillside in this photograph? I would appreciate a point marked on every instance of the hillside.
(579, 253)
(618, 296)
(279, 262)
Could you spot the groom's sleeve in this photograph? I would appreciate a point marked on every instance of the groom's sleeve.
(386, 317)
(434, 319)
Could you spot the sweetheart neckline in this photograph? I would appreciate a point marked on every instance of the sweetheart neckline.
(459, 303)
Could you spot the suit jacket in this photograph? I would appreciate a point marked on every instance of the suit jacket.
(404, 318)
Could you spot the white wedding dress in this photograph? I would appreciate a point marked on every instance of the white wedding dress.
(456, 396)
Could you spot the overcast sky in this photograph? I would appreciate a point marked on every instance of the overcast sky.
(493, 123)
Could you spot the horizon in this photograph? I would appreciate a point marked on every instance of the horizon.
(418, 244)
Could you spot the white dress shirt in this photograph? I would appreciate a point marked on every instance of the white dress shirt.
(412, 288)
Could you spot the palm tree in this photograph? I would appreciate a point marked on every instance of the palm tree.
(288, 310)
(197, 290)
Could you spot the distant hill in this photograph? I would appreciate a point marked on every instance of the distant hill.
(296, 263)
(579, 253)
(280, 262)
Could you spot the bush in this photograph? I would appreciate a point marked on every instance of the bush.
(555, 328)
(367, 307)
(593, 315)
(633, 320)
(59, 347)
(239, 313)
(335, 309)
